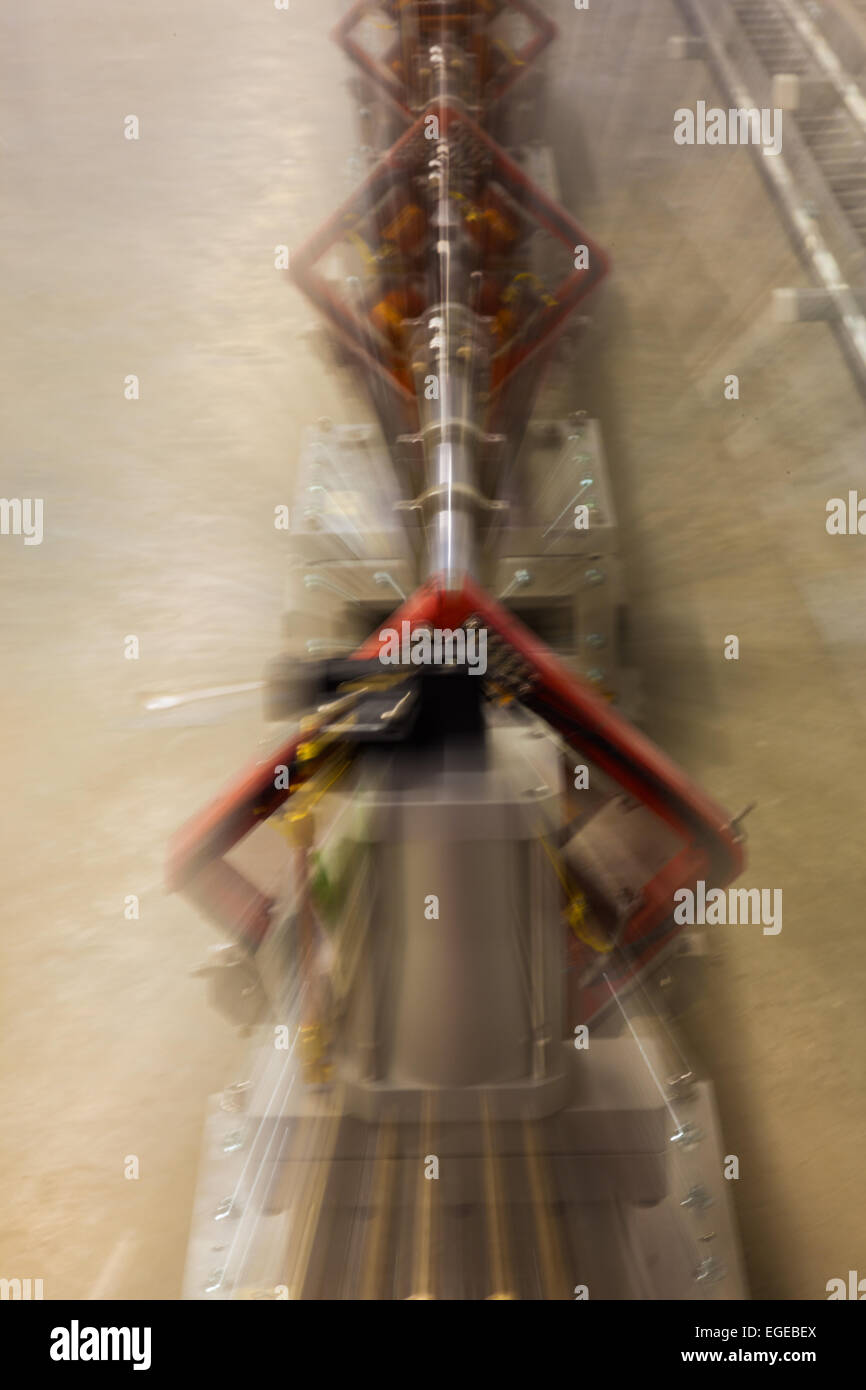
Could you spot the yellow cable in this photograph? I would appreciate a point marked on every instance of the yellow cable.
(576, 910)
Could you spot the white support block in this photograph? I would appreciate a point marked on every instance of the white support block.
(682, 46)
(803, 306)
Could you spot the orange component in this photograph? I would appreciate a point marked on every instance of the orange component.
(389, 313)
(388, 316)
(492, 228)
(408, 229)
(505, 324)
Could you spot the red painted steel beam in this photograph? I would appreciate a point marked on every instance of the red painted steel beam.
(710, 848)
(248, 800)
(357, 333)
(543, 32)
(585, 720)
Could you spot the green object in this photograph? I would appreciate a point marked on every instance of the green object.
(331, 874)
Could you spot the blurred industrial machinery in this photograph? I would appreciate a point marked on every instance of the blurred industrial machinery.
(467, 1081)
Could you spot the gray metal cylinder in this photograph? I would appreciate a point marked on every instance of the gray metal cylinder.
(461, 983)
(462, 1015)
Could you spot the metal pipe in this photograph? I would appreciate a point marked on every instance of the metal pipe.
(309, 1203)
(551, 1263)
(375, 1267)
(422, 1254)
(449, 448)
(452, 539)
(497, 1229)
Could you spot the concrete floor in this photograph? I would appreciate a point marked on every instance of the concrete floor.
(156, 258)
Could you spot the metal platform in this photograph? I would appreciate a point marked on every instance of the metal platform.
(632, 1206)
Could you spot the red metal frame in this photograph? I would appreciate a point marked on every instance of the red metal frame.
(544, 32)
(711, 848)
(356, 332)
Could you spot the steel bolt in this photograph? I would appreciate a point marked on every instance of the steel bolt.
(681, 1087)
(697, 1198)
(709, 1271)
(687, 1136)
(234, 1097)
